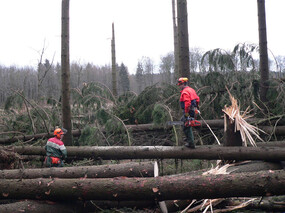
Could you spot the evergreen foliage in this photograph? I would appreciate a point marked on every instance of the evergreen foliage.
(124, 82)
(13, 101)
(102, 117)
(139, 76)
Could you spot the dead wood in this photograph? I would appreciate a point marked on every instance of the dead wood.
(23, 138)
(261, 203)
(265, 183)
(218, 123)
(8, 159)
(131, 169)
(35, 206)
(165, 152)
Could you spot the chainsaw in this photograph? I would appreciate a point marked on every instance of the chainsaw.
(192, 122)
(189, 121)
(186, 123)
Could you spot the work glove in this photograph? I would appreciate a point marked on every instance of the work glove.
(186, 114)
(183, 119)
(197, 111)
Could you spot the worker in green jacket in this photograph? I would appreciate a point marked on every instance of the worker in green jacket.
(55, 149)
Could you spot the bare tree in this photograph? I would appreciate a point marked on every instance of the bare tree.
(43, 70)
(263, 54)
(183, 65)
(114, 66)
(175, 35)
(65, 73)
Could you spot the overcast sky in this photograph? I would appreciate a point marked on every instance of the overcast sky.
(142, 28)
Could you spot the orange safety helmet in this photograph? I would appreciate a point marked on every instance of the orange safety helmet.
(58, 132)
(182, 80)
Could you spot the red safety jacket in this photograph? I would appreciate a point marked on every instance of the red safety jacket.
(187, 95)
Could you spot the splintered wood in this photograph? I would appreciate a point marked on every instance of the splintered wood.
(247, 131)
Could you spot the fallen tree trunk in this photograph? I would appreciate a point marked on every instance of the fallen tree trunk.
(132, 169)
(263, 183)
(75, 158)
(270, 204)
(75, 133)
(218, 123)
(35, 206)
(165, 152)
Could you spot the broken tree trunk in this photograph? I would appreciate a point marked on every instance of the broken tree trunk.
(263, 183)
(132, 169)
(165, 152)
(231, 136)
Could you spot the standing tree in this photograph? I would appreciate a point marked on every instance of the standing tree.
(114, 74)
(65, 73)
(124, 81)
(139, 77)
(184, 64)
(148, 67)
(166, 66)
(42, 71)
(175, 35)
(263, 64)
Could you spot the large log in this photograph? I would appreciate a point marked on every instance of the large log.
(32, 206)
(165, 152)
(36, 206)
(263, 183)
(131, 169)
(267, 204)
(14, 139)
(75, 158)
(218, 123)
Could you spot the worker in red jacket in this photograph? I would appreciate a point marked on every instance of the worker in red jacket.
(189, 102)
(55, 149)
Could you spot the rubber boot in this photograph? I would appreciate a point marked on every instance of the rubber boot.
(189, 137)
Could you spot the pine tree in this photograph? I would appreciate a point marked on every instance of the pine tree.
(139, 76)
(124, 82)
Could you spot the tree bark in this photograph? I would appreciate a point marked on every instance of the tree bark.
(183, 43)
(268, 204)
(218, 123)
(35, 206)
(175, 39)
(114, 65)
(231, 137)
(24, 138)
(166, 152)
(65, 74)
(263, 54)
(132, 169)
(159, 188)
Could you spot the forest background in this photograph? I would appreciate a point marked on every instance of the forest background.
(141, 97)
(144, 97)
